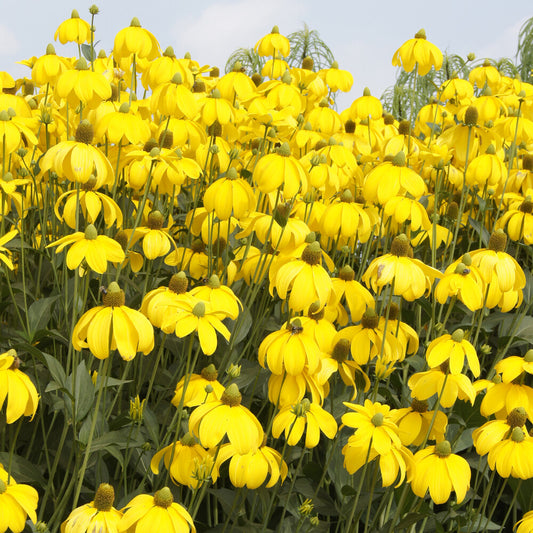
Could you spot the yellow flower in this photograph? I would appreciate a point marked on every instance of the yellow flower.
(17, 501)
(526, 524)
(337, 79)
(90, 204)
(274, 170)
(291, 349)
(501, 398)
(95, 249)
(368, 340)
(519, 222)
(441, 472)
(144, 511)
(192, 314)
(513, 456)
(21, 394)
(409, 277)
(222, 298)
(513, 367)
(122, 126)
(156, 241)
(4, 252)
(99, 515)
(418, 52)
(485, 75)
(463, 282)
(306, 416)
(272, 44)
(214, 420)
(174, 99)
(14, 132)
(423, 385)
(216, 110)
(230, 195)
(78, 160)
(306, 279)
(453, 349)
(390, 179)
(134, 40)
(113, 326)
(201, 388)
(74, 30)
(366, 107)
(252, 469)
(189, 461)
(47, 68)
(83, 85)
(414, 423)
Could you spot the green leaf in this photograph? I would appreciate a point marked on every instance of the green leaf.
(23, 471)
(39, 314)
(151, 425)
(88, 51)
(83, 392)
(116, 438)
(347, 490)
(56, 369)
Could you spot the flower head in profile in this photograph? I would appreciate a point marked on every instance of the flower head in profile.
(98, 516)
(273, 44)
(17, 388)
(186, 462)
(418, 52)
(214, 420)
(141, 513)
(440, 472)
(454, 349)
(17, 502)
(113, 326)
(73, 30)
(4, 252)
(253, 468)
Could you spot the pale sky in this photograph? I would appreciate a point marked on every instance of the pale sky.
(363, 35)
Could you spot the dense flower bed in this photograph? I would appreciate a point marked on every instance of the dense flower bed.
(228, 306)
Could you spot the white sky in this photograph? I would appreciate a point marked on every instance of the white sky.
(363, 35)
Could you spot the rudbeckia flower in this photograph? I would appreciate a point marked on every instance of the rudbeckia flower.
(513, 456)
(73, 30)
(189, 462)
(17, 502)
(83, 85)
(409, 277)
(14, 132)
(526, 524)
(272, 44)
(501, 398)
(221, 297)
(418, 52)
(134, 40)
(198, 387)
(78, 160)
(214, 420)
(230, 195)
(513, 367)
(306, 416)
(4, 252)
(123, 127)
(47, 68)
(145, 511)
(464, 283)
(98, 516)
(518, 222)
(253, 468)
(192, 314)
(95, 249)
(368, 340)
(441, 472)
(156, 240)
(306, 279)
(291, 349)
(113, 326)
(414, 423)
(390, 179)
(21, 394)
(174, 99)
(424, 385)
(274, 170)
(453, 349)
